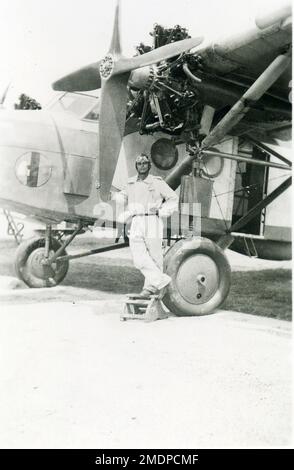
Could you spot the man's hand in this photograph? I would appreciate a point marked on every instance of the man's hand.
(153, 210)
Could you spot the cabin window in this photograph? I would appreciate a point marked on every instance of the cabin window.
(77, 103)
(164, 154)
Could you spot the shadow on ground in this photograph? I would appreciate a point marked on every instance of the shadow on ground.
(108, 278)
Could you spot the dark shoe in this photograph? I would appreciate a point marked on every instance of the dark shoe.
(145, 294)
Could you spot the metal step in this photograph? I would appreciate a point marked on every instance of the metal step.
(14, 229)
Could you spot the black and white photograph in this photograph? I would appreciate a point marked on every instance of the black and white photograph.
(145, 235)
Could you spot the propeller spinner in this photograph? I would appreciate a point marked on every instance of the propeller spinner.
(112, 74)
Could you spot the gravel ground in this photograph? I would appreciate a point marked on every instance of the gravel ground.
(74, 376)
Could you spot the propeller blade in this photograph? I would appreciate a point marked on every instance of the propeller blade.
(115, 45)
(85, 79)
(114, 95)
(156, 55)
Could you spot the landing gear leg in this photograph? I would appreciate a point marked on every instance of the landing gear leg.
(47, 240)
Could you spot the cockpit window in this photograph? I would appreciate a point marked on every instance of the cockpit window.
(82, 105)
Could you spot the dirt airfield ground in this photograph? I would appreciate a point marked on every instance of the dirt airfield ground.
(74, 376)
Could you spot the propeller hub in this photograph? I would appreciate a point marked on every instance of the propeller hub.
(106, 66)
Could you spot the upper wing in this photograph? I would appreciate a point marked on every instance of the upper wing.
(235, 64)
(244, 57)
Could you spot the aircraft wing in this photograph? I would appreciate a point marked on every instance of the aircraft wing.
(236, 63)
(246, 56)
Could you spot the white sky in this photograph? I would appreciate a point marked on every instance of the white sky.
(42, 40)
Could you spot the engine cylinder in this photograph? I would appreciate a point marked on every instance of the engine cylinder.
(142, 78)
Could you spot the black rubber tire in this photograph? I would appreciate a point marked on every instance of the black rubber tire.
(42, 276)
(213, 260)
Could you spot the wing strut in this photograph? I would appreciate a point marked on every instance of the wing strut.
(265, 148)
(261, 205)
(226, 240)
(243, 105)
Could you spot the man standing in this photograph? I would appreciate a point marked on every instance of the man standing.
(148, 199)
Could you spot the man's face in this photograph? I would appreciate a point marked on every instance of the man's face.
(142, 165)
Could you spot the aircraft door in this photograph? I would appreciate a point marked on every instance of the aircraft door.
(250, 188)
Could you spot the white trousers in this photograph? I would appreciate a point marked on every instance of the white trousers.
(146, 235)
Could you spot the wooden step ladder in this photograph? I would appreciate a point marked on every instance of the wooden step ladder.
(137, 308)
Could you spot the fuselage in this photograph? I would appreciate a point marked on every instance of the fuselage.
(49, 168)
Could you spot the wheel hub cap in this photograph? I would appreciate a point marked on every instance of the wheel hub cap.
(37, 267)
(198, 279)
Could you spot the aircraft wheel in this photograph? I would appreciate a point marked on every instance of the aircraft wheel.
(201, 277)
(30, 269)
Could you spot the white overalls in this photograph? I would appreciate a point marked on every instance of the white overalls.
(146, 232)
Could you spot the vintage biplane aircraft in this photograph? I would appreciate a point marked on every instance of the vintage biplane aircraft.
(207, 114)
